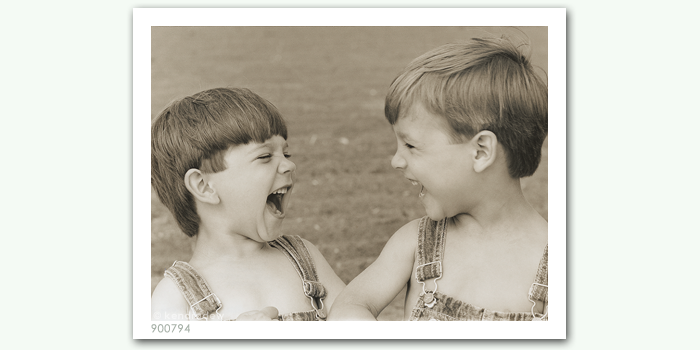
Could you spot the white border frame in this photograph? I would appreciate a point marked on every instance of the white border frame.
(555, 19)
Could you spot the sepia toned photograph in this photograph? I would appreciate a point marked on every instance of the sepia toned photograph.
(372, 172)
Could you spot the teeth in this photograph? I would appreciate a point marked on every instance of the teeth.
(415, 183)
(280, 191)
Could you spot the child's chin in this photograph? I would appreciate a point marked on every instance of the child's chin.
(270, 236)
(436, 217)
(271, 232)
(434, 214)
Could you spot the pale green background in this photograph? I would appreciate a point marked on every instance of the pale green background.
(66, 172)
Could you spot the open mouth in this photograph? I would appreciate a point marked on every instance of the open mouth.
(416, 183)
(275, 201)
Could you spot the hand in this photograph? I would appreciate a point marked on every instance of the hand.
(269, 313)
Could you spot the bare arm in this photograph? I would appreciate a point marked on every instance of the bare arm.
(370, 292)
(167, 303)
(333, 284)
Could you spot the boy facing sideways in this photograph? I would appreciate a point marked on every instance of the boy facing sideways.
(220, 164)
(470, 120)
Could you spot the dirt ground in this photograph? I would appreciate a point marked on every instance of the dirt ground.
(329, 83)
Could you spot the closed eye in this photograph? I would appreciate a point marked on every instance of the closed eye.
(287, 155)
(265, 156)
(408, 145)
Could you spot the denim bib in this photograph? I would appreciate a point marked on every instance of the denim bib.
(435, 306)
(203, 302)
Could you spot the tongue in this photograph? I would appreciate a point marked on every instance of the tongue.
(274, 202)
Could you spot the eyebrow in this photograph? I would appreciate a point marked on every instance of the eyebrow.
(404, 136)
(268, 144)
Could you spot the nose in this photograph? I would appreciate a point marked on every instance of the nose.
(286, 166)
(398, 162)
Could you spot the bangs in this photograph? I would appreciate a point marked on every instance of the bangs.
(462, 101)
(483, 84)
(195, 132)
(479, 97)
(250, 121)
(215, 120)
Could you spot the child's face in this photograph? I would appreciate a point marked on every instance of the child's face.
(255, 188)
(427, 158)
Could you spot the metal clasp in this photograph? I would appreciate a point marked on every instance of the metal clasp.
(430, 302)
(320, 314)
(534, 303)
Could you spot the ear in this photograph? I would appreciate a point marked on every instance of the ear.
(202, 190)
(485, 144)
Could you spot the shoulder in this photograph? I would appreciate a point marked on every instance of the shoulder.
(537, 240)
(330, 280)
(167, 298)
(320, 262)
(313, 251)
(401, 247)
(407, 235)
(409, 229)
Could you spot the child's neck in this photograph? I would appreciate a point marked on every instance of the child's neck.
(216, 246)
(503, 210)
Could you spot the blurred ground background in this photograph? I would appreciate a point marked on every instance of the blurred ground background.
(329, 83)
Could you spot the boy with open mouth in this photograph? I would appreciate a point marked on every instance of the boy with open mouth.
(220, 163)
(469, 119)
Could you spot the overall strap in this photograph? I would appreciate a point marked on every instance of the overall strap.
(294, 249)
(539, 289)
(194, 288)
(431, 248)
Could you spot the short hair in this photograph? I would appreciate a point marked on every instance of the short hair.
(195, 132)
(481, 84)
